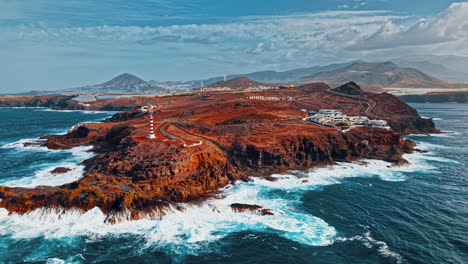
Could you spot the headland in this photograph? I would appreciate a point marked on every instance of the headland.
(206, 140)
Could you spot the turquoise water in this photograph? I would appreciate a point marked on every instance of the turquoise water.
(347, 213)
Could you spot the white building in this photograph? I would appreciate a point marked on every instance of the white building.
(378, 123)
(331, 117)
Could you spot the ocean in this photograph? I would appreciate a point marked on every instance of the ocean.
(364, 212)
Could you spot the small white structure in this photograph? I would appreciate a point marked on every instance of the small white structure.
(147, 108)
(378, 124)
(84, 105)
(331, 117)
(358, 120)
(264, 98)
(193, 145)
(151, 134)
(214, 89)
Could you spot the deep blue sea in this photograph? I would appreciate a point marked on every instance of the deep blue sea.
(346, 213)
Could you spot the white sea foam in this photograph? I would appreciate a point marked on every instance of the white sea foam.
(193, 230)
(25, 107)
(443, 134)
(368, 241)
(44, 176)
(433, 118)
(430, 146)
(55, 261)
(81, 111)
(35, 144)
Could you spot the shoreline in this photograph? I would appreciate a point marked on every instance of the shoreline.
(241, 139)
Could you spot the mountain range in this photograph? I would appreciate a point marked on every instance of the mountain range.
(371, 76)
(278, 76)
(122, 84)
(378, 75)
(238, 83)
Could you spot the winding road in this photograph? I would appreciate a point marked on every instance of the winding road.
(370, 103)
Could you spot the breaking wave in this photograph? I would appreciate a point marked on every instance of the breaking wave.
(42, 174)
(368, 241)
(72, 111)
(194, 230)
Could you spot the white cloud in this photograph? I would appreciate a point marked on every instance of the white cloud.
(191, 51)
(449, 26)
(325, 32)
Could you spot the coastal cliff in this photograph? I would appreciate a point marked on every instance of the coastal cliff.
(206, 142)
(440, 97)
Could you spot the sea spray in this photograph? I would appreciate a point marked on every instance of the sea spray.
(44, 176)
(193, 230)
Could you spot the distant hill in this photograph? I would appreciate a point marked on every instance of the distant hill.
(123, 84)
(314, 87)
(350, 88)
(439, 97)
(278, 76)
(385, 74)
(434, 69)
(238, 83)
(371, 76)
(123, 81)
(455, 65)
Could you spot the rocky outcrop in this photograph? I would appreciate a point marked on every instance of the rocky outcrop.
(55, 102)
(448, 97)
(252, 208)
(350, 88)
(60, 170)
(400, 116)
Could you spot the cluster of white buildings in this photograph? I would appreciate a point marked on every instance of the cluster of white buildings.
(270, 98)
(331, 117)
(264, 98)
(262, 88)
(250, 88)
(214, 89)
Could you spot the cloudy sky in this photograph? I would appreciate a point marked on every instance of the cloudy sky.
(54, 44)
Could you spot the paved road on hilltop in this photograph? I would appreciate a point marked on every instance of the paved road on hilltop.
(370, 106)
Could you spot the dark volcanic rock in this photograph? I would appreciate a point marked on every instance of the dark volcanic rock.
(60, 170)
(350, 88)
(253, 208)
(125, 116)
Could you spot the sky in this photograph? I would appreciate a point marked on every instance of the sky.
(58, 44)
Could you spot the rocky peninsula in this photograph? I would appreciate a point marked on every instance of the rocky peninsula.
(207, 140)
(437, 97)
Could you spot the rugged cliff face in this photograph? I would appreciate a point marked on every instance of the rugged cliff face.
(61, 102)
(131, 178)
(205, 142)
(400, 116)
(448, 97)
